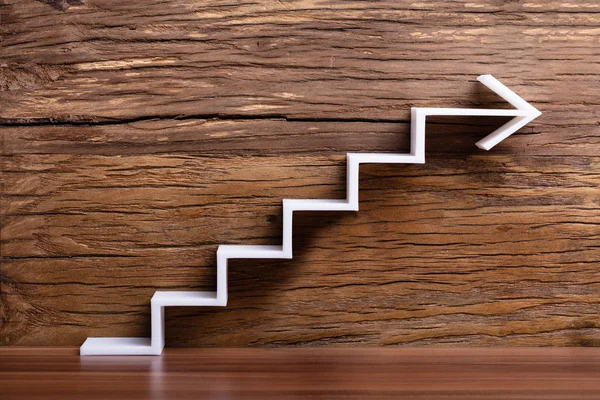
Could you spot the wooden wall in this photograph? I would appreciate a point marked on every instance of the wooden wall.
(137, 136)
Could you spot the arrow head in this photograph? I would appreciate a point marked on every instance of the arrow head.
(530, 113)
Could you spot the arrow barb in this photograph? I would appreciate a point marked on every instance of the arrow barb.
(530, 113)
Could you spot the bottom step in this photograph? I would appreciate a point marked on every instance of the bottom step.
(143, 346)
(118, 346)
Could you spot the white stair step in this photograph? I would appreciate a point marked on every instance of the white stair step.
(385, 158)
(186, 298)
(318, 205)
(118, 346)
(249, 251)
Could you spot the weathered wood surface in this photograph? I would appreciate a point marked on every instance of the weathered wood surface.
(351, 373)
(137, 137)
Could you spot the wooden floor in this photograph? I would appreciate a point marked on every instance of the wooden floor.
(407, 373)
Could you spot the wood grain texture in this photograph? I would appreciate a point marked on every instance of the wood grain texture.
(135, 139)
(415, 373)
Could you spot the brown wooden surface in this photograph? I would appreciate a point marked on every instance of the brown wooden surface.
(136, 137)
(545, 374)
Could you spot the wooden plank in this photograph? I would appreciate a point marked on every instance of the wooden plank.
(273, 137)
(114, 61)
(136, 139)
(416, 373)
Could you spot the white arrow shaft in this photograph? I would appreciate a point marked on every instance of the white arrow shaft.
(473, 112)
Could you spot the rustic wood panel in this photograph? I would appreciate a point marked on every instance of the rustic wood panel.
(390, 373)
(135, 139)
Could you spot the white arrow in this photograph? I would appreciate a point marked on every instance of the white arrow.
(154, 345)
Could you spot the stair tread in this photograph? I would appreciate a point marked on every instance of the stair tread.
(185, 298)
(118, 345)
(251, 251)
(318, 204)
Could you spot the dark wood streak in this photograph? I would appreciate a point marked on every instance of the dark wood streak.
(135, 139)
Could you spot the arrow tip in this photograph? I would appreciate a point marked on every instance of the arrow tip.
(514, 124)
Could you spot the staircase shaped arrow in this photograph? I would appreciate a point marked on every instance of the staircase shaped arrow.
(523, 114)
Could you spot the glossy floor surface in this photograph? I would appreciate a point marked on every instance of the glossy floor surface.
(325, 373)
